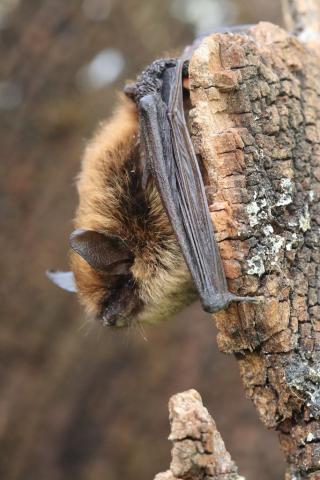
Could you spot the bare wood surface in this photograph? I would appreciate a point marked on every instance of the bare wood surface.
(255, 124)
(198, 450)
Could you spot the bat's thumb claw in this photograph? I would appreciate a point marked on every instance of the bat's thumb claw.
(259, 299)
(130, 90)
(255, 300)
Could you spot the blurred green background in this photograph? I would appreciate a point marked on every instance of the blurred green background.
(78, 401)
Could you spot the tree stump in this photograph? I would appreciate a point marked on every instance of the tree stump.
(255, 124)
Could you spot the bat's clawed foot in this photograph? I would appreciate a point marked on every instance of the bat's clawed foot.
(222, 301)
(256, 300)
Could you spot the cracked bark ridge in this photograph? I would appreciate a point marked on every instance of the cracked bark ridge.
(198, 451)
(255, 124)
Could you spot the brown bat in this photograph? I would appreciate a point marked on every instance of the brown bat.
(143, 223)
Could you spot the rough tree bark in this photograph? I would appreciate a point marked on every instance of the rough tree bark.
(198, 450)
(255, 124)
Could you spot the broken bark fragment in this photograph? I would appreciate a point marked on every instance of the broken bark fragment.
(198, 451)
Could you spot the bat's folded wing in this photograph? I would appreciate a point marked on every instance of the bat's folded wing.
(173, 164)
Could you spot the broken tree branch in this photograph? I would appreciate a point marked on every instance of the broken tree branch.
(198, 450)
(255, 124)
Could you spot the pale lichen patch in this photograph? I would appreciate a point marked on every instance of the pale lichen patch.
(305, 220)
(311, 195)
(268, 230)
(310, 437)
(285, 198)
(256, 266)
(276, 243)
(292, 243)
(269, 252)
(255, 211)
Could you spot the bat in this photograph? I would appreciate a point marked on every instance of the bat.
(126, 264)
(144, 242)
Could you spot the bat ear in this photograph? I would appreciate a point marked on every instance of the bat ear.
(106, 253)
(64, 280)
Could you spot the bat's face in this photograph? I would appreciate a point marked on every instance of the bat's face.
(126, 263)
(101, 264)
(137, 272)
(119, 285)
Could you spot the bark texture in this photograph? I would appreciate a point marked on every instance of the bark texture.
(198, 451)
(255, 123)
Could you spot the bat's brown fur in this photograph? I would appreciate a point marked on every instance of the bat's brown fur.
(112, 201)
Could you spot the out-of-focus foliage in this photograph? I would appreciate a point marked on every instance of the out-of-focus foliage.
(76, 400)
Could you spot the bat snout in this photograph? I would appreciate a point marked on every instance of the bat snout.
(120, 306)
(114, 321)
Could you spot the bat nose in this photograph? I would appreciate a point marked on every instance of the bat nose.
(109, 322)
(114, 320)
